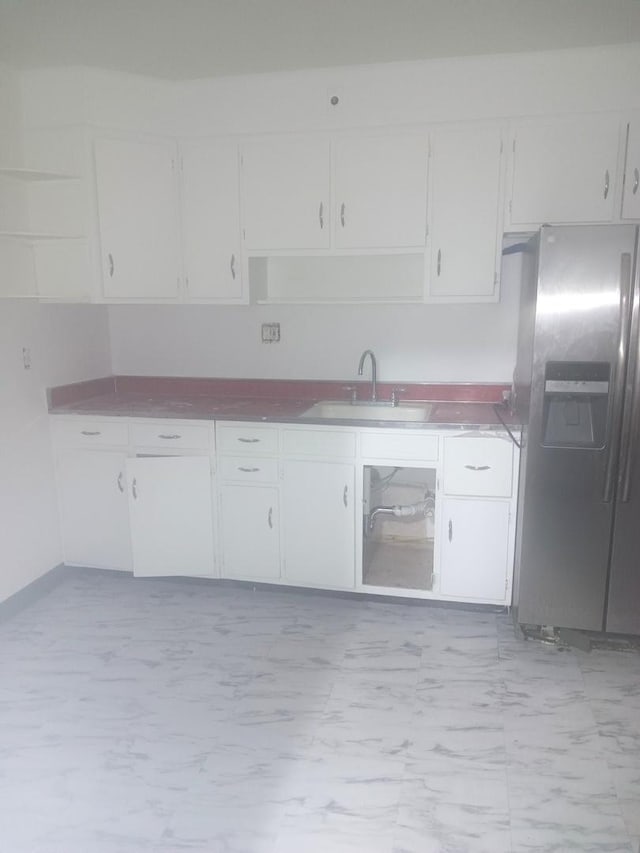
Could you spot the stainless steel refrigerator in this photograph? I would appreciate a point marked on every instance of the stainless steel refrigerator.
(576, 386)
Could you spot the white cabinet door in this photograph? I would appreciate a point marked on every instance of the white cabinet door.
(171, 515)
(319, 523)
(564, 170)
(93, 509)
(466, 171)
(474, 549)
(381, 191)
(286, 183)
(211, 220)
(631, 199)
(250, 532)
(137, 216)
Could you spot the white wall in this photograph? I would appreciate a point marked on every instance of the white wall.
(466, 88)
(421, 343)
(68, 343)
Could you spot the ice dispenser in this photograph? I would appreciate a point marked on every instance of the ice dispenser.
(576, 399)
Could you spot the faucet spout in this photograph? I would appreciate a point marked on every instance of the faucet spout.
(374, 372)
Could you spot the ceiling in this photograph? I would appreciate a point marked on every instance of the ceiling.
(188, 39)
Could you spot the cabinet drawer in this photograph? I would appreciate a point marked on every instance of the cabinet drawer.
(478, 466)
(171, 435)
(83, 432)
(399, 445)
(250, 470)
(318, 442)
(246, 439)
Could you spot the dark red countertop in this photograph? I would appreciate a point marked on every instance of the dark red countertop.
(268, 400)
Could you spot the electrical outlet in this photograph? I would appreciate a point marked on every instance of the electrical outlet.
(270, 333)
(26, 358)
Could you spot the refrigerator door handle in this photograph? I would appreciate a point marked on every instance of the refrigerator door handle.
(617, 403)
(631, 414)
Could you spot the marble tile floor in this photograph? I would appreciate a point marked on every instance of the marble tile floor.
(179, 716)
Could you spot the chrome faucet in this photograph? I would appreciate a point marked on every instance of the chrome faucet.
(374, 372)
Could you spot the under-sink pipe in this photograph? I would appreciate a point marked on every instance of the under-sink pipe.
(418, 510)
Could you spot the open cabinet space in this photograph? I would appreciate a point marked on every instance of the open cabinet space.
(398, 527)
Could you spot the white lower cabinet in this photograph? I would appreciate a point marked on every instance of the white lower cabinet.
(250, 524)
(93, 508)
(289, 505)
(475, 556)
(319, 523)
(171, 514)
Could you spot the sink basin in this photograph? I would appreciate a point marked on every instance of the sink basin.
(379, 411)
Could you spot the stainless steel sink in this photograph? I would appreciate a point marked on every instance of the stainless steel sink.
(372, 411)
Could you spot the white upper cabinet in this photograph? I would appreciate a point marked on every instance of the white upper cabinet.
(286, 183)
(211, 220)
(465, 208)
(564, 170)
(380, 198)
(631, 196)
(137, 210)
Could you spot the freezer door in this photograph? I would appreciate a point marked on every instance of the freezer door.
(578, 368)
(623, 605)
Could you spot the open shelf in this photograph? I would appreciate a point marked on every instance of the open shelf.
(36, 236)
(347, 279)
(29, 175)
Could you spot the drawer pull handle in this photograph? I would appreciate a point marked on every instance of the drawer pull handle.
(111, 265)
(91, 432)
(477, 467)
(342, 211)
(321, 215)
(636, 181)
(232, 267)
(169, 436)
(450, 530)
(606, 184)
(134, 489)
(249, 440)
(248, 470)
(120, 483)
(345, 496)
(439, 263)
(270, 517)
